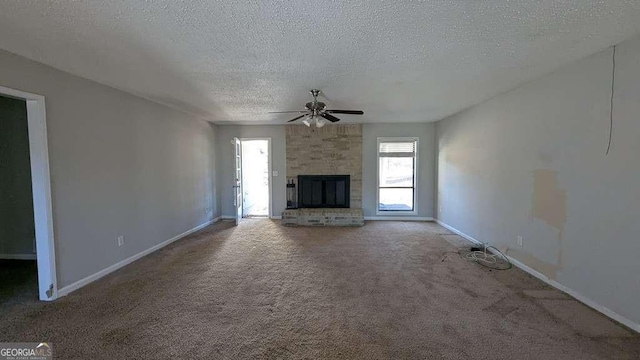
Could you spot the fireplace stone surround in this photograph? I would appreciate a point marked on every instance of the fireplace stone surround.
(327, 152)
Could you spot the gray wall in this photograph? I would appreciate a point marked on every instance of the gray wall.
(531, 162)
(17, 230)
(426, 166)
(120, 165)
(226, 133)
(370, 134)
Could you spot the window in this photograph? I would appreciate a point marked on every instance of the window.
(397, 169)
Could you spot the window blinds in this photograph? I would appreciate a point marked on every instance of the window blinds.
(397, 149)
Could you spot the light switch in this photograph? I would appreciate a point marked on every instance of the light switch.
(275, 173)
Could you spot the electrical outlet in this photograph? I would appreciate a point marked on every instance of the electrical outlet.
(519, 241)
(440, 208)
(120, 241)
(207, 210)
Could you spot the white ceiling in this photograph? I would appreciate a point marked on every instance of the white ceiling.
(233, 61)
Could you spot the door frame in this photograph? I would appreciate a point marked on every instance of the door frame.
(238, 196)
(268, 139)
(41, 191)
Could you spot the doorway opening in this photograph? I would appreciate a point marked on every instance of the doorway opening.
(18, 268)
(256, 170)
(27, 257)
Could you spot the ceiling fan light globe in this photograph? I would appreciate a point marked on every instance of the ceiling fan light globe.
(320, 122)
(306, 121)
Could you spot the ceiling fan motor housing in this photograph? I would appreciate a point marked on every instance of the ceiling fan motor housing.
(315, 105)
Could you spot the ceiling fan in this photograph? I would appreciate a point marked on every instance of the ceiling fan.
(316, 112)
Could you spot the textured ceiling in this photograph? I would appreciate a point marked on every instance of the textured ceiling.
(233, 61)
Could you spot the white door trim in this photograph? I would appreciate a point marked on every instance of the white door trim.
(270, 170)
(238, 197)
(41, 188)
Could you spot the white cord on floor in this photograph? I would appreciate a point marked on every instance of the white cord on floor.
(482, 256)
(486, 257)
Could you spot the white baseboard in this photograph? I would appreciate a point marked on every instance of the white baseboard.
(215, 220)
(583, 299)
(18, 256)
(231, 217)
(398, 218)
(91, 278)
(576, 295)
(470, 238)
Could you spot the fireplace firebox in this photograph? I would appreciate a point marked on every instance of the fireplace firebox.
(323, 191)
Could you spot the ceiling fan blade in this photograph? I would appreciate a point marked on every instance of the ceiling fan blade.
(350, 112)
(329, 117)
(294, 119)
(288, 112)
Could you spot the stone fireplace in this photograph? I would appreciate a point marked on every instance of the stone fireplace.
(334, 150)
(330, 150)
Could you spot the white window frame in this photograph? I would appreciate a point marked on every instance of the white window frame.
(415, 177)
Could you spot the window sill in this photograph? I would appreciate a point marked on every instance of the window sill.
(394, 213)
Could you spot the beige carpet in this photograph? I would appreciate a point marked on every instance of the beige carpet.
(387, 290)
